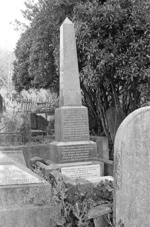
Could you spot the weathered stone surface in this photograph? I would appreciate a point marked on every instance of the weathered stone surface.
(97, 212)
(132, 171)
(24, 194)
(28, 216)
(90, 171)
(30, 151)
(71, 124)
(34, 160)
(4, 159)
(15, 154)
(83, 176)
(102, 146)
(76, 151)
(70, 94)
(25, 198)
(11, 174)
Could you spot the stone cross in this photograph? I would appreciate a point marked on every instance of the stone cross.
(70, 94)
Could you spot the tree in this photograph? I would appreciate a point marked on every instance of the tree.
(113, 53)
(114, 59)
(40, 62)
(37, 52)
(21, 64)
(6, 59)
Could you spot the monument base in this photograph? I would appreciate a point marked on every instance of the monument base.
(76, 151)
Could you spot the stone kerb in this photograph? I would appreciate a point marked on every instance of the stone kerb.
(132, 170)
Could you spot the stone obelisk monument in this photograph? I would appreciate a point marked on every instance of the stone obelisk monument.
(72, 142)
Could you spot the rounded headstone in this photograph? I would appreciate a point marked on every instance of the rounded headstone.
(132, 171)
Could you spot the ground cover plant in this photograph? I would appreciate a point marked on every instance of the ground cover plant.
(76, 201)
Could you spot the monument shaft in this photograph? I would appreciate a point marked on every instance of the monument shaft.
(70, 94)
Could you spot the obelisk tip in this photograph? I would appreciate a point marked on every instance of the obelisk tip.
(67, 21)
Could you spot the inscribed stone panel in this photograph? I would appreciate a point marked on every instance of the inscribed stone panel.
(73, 153)
(75, 124)
(10, 174)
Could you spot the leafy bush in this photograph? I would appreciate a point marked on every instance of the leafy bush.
(76, 201)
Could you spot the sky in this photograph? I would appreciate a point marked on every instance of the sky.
(9, 11)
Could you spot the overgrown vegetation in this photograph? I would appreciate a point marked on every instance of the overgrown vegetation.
(113, 54)
(76, 201)
(6, 67)
(15, 129)
(9, 125)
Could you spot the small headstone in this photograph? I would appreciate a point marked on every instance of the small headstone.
(42, 123)
(132, 171)
(33, 120)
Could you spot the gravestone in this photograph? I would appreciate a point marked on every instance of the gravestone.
(25, 199)
(14, 153)
(33, 121)
(132, 171)
(72, 142)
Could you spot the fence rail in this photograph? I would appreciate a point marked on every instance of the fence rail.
(11, 138)
(18, 138)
